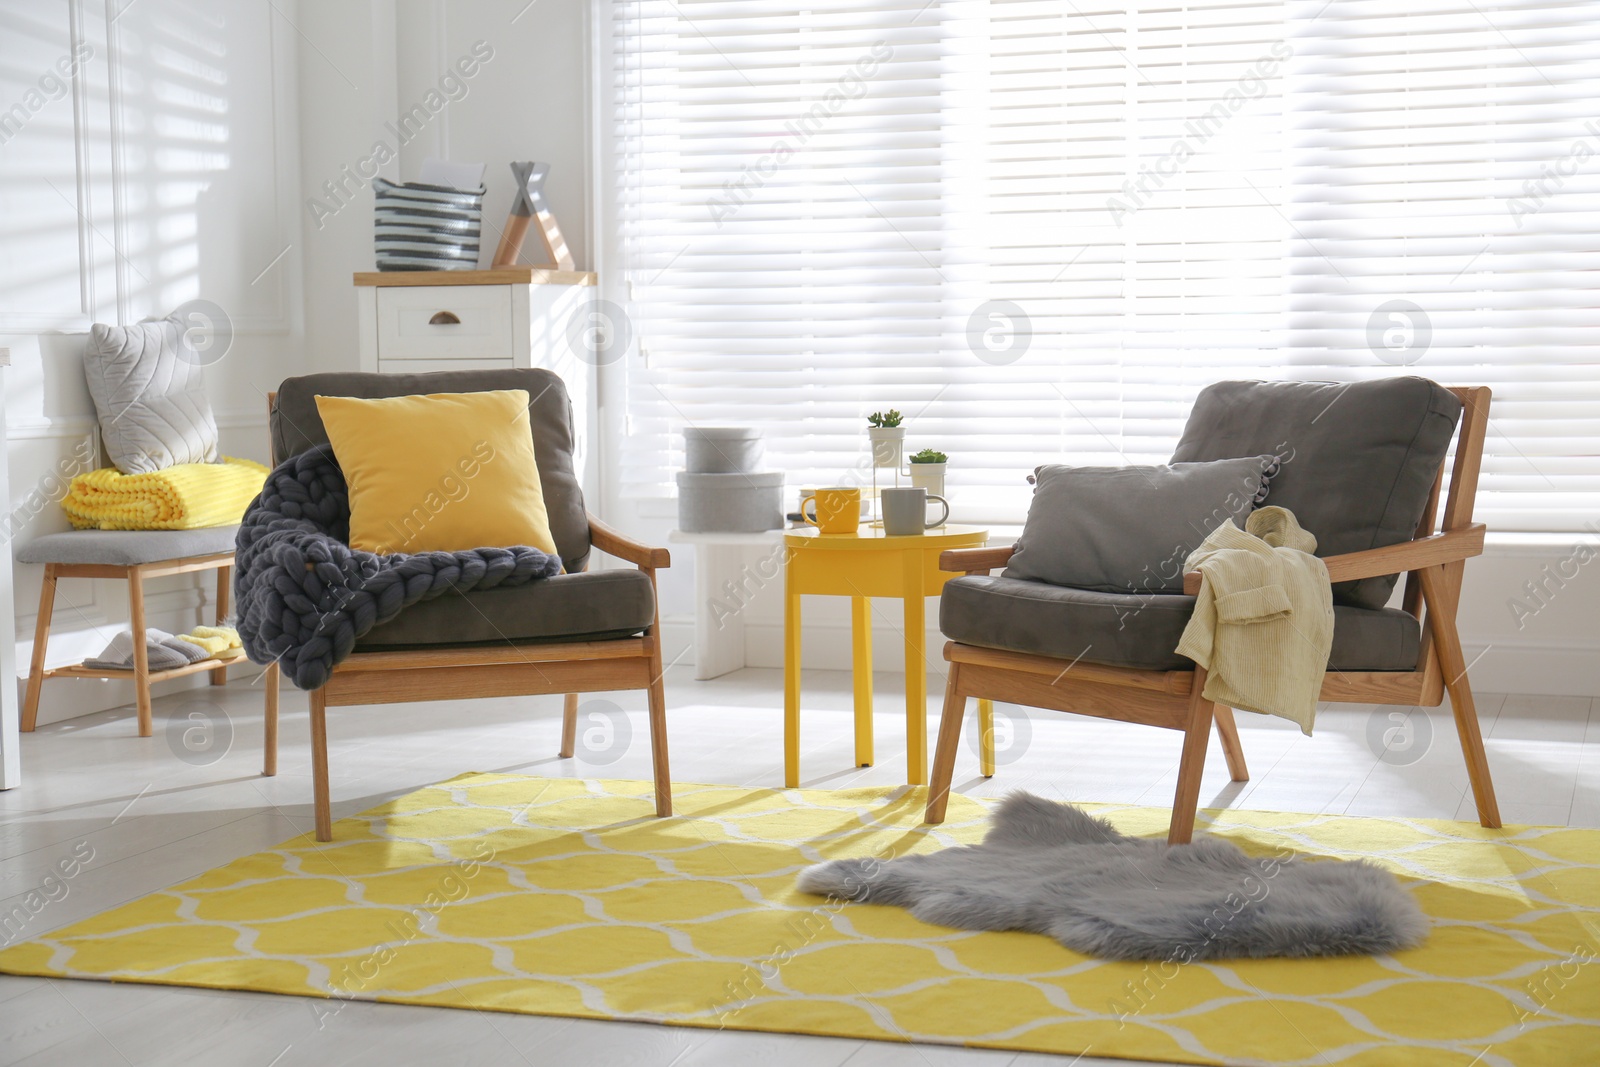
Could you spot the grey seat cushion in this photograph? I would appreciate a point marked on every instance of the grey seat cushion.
(596, 605)
(1358, 459)
(1138, 631)
(125, 548)
(296, 426)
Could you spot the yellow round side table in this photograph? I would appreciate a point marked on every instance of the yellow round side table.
(863, 565)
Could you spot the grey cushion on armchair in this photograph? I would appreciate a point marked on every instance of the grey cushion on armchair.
(1357, 459)
(1138, 631)
(593, 605)
(568, 607)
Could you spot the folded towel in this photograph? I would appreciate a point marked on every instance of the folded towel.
(228, 634)
(212, 643)
(162, 652)
(182, 497)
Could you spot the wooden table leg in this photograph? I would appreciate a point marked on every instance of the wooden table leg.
(41, 640)
(791, 678)
(861, 664)
(141, 652)
(224, 580)
(916, 671)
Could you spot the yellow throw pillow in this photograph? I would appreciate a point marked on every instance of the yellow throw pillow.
(439, 473)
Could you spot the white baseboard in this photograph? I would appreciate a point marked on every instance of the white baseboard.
(1535, 668)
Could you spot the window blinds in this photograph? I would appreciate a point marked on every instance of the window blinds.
(1445, 208)
(1038, 229)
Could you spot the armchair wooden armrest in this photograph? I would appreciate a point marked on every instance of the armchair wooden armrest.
(1430, 551)
(613, 542)
(975, 560)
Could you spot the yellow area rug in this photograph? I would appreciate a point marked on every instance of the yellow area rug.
(568, 897)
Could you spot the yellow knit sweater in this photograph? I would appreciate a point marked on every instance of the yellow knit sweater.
(181, 497)
(1263, 624)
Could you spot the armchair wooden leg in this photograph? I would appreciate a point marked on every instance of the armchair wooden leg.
(658, 731)
(944, 753)
(224, 580)
(986, 738)
(269, 758)
(569, 726)
(1193, 763)
(1441, 603)
(319, 764)
(1228, 732)
(41, 639)
(141, 651)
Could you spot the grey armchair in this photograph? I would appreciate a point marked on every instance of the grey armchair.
(581, 631)
(1365, 473)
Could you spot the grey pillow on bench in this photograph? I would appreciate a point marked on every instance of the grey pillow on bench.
(153, 409)
(1129, 529)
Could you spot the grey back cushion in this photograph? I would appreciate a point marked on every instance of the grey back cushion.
(147, 392)
(1358, 459)
(296, 426)
(1129, 529)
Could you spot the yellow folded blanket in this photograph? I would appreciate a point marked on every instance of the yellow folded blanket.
(184, 497)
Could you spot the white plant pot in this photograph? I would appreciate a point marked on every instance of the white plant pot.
(929, 476)
(887, 445)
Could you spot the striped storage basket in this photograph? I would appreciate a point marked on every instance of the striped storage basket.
(427, 227)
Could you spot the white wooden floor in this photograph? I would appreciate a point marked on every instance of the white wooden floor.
(152, 819)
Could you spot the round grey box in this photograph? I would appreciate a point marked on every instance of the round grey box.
(730, 503)
(722, 449)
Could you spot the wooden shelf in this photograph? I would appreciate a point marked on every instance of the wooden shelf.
(79, 670)
(496, 276)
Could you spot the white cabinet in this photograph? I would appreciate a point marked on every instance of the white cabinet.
(475, 319)
(471, 322)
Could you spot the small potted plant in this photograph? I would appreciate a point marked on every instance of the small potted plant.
(927, 471)
(887, 435)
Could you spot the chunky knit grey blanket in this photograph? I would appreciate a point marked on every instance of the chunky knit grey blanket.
(305, 596)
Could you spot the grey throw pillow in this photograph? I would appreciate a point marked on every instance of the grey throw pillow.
(1129, 529)
(148, 395)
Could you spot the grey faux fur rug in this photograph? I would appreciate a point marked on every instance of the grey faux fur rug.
(1053, 869)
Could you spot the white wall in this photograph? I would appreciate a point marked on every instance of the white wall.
(160, 167)
(525, 101)
(486, 82)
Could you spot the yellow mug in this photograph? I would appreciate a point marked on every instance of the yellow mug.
(835, 510)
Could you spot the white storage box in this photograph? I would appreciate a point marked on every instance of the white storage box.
(722, 449)
(730, 503)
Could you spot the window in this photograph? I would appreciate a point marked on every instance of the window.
(1038, 229)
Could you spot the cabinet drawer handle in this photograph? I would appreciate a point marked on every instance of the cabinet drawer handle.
(445, 318)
